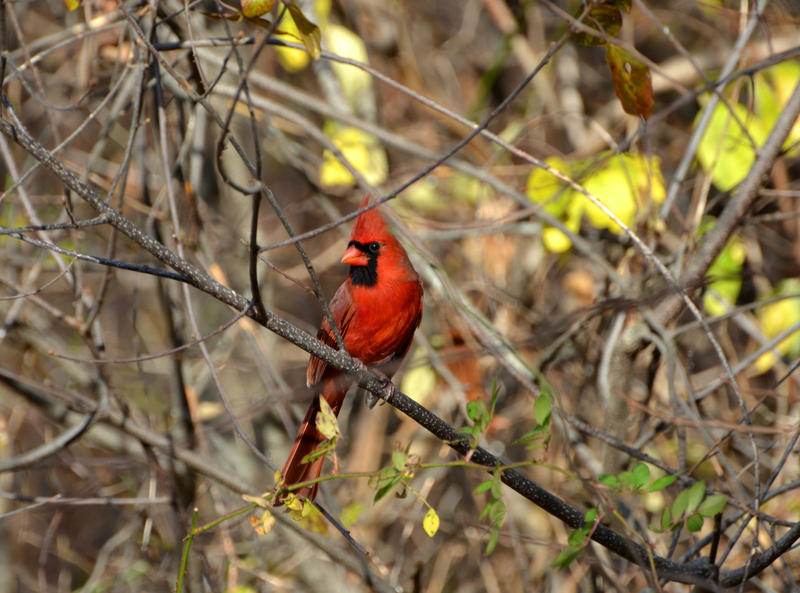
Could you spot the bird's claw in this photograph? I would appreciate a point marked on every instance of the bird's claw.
(388, 387)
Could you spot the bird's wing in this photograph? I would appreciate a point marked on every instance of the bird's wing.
(341, 307)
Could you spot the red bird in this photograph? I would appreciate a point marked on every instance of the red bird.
(377, 309)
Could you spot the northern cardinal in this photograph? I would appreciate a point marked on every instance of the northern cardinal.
(377, 309)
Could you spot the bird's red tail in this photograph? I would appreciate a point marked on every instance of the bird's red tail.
(308, 438)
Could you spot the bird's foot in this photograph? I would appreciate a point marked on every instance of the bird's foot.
(388, 387)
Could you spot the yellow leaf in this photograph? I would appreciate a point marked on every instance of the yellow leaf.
(293, 503)
(263, 524)
(291, 59)
(363, 151)
(72, 4)
(431, 523)
(775, 318)
(308, 31)
(544, 188)
(467, 188)
(308, 516)
(420, 379)
(727, 150)
(326, 421)
(783, 78)
(351, 513)
(346, 44)
(423, 197)
(253, 9)
(259, 500)
(624, 184)
(555, 241)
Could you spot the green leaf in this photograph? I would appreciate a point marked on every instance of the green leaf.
(483, 487)
(577, 538)
(694, 523)
(696, 493)
(497, 485)
(478, 412)
(661, 483)
(627, 479)
(641, 475)
(565, 558)
(497, 512)
(609, 480)
(713, 505)
(679, 504)
(666, 518)
(589, 517)
(495, 395)
(494, 536)
(485, 510)
(542, 409)
(399, 460)
(388, 480)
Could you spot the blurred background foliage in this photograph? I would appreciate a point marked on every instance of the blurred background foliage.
(524, 274)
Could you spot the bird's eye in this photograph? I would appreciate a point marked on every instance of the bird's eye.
(374, 247)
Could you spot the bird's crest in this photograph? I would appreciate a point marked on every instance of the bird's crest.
(369, 226)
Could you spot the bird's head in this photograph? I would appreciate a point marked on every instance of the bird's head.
(373, 251)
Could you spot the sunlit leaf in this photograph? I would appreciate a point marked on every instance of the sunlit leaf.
(351, 513)
(726, 150)
(309, 32)
(326, 421)
(363, 151)
(310, 517)
(354, 82)
(545, 188)
(773, 87)
(290, 58)
(632, 82)
(725, 275)
(623, 184)
(72, 4)
(263, 524)
(431, 522)
(777, 317)
(259, 500)
(256, 8)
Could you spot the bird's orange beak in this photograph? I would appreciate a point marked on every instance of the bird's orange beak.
(354, 257)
